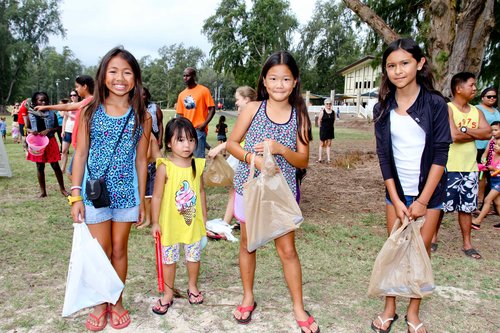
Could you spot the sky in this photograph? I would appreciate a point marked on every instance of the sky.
(93, 27)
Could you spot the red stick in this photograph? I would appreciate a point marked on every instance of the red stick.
(159, 264)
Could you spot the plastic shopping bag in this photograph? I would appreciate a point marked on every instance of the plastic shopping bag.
(233, 162)
(91, 278)
(271, 210)
(218, 173)
(403, 267)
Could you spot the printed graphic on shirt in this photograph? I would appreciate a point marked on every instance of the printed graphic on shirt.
(189, 102)
(185, 201)
(467, 122)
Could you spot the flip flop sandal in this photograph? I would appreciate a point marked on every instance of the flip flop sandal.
(415, 328)
(190, 294)
(472, 253)
(161, 313)
(388, 329)
(97, 328)
(434, 247)
(476, 226)
(307, 323)
(120, 316)
(242, 310)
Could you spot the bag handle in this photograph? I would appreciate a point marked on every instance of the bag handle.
(268, 167)
(252, 167)
(399, 224)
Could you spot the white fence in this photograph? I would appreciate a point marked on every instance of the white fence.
(344, 109)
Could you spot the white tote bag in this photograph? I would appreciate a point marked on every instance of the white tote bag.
(92, 280)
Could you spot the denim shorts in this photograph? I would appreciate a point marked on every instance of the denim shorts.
(410, 199)
(99, 215)
(67, 137)
(495, 183)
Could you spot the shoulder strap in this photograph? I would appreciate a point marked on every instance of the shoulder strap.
(116, 144)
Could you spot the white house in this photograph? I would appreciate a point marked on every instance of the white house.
(360, 79)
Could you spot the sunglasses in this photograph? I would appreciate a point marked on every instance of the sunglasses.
(491, 96)
(73, 95)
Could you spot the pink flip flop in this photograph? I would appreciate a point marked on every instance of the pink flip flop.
(118, 326)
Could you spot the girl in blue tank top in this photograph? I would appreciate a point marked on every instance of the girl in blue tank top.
(113, 140)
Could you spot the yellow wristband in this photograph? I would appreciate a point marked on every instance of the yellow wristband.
(72, 200)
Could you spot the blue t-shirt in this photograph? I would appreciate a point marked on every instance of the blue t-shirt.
(121, 176)
(490, 117)
(3, 126)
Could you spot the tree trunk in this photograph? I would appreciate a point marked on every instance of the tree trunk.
(457, 41)
(373, 20)
(442, 14)
(480, 38)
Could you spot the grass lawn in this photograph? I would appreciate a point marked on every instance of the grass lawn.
(337, 243)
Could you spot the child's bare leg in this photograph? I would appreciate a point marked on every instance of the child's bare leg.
(285, 246)
(228, 216)
(60, 178)
(193, 269)
(492, 195)
(101, 232)
(247, 273)
(147, 217)
(427, 231)
(40, 173)
(119, 259)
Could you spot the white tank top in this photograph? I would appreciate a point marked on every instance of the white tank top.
(408, 141)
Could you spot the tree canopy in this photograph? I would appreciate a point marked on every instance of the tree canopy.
(242, 38)
(25, 26)
(328, 43)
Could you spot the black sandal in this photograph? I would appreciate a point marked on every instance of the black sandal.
(161, 313)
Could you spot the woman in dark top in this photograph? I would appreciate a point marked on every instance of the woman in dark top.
(326, 120)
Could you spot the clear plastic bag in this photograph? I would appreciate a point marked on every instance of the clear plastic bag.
(403, 267)
(91, 278)
(271, 210)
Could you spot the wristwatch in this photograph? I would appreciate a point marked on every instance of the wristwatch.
(463, 129)
(72, 200)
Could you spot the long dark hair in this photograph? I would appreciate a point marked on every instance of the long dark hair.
(86, 80)
(424, 76)
(101, 92)
(174, 130)
(295, 99)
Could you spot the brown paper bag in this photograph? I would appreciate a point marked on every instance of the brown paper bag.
(403, 267)
(218, 172)
(271, 210)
